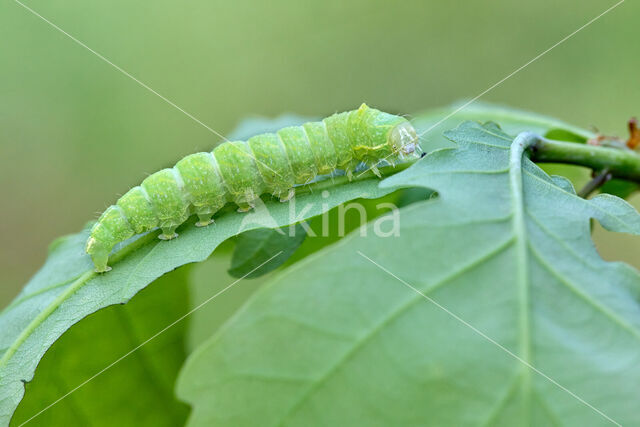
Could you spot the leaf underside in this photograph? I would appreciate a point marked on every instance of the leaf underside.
(337, 340)
(66, 287)
(137, 390)
(65, 291)
(256, 247)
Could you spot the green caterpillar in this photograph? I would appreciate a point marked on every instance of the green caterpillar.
(240, 172)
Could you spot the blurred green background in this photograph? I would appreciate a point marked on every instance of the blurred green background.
(75, 132)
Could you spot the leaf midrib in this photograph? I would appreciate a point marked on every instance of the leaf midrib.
(40, 318)
(73, 287)
(516, 189)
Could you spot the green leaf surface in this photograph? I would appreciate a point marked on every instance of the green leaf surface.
(506, 278)
(433, 123)
(255, 247)
(66, 289)
(211, 278)
(620, 188)
(562, 134)
(136, 390)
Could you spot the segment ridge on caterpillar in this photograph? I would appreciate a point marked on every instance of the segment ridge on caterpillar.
(241, 171)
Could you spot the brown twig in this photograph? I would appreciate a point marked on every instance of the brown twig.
(598, 181)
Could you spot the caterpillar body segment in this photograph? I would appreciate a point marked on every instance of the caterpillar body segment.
(241, 171)
(272, 163)
(204, 185)
(323, 149)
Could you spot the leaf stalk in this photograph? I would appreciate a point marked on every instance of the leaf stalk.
(620, 163)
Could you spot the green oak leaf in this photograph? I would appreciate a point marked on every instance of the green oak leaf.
(620, 188)
(433, 123)
(442, 324)
(210, 277)
(255, 247)
(136, 390)
(66, 289)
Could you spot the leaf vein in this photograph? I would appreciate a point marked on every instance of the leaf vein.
(585, 297)
(415, 298)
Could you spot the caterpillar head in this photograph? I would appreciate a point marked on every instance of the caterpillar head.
(403, 140)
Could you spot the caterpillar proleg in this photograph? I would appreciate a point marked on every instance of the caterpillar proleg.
(241, 171)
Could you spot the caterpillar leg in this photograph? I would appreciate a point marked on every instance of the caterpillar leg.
(245, 206)
(350, 167)
(204, 215)
(206, 211)
(168, 233)
(204, 220)
(290, 193)
(246, 201)
(100, 261)
(376, 171)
